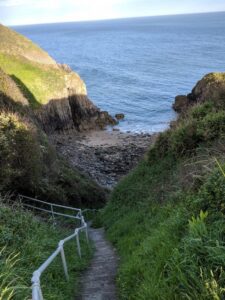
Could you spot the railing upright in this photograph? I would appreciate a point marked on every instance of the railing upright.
(36, 285)
(78, 242)
(61, 243)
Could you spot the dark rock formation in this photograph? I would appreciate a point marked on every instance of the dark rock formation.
(210, 87)
(181, 103)
(76, 112)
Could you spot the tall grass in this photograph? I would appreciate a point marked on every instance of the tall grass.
(166, 218)
(25, 243)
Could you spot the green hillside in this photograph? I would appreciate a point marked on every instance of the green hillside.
(29, 77)
(167, 217)
(37, 75)
(16, 44)
(38, 82)
(28, 163)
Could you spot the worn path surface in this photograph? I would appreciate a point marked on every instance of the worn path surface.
(98, 282)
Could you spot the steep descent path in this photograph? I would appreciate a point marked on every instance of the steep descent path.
(98, 282)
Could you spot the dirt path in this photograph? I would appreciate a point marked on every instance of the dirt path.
(98, 282)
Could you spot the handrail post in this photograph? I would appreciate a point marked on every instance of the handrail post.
(86, 232)
(40, 294)
(36, 287)
(78, 242)
(63, 259)
(53, 216)
(20, 200)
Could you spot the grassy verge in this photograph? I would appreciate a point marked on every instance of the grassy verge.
(25, 243)
(167, 217)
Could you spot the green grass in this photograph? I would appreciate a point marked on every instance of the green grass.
(164, 252)
(25, 243)
(14, 43)
(39, 83)
(166, 218)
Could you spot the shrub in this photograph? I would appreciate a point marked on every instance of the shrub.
(212, 126)
(20, 154)
(29, 165)
(202, 123)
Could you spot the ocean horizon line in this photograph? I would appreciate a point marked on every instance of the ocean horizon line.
(115, 19)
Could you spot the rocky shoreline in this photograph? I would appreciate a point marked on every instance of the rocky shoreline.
(105, 156)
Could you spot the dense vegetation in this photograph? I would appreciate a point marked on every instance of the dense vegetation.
(25, 243)
(167, 217)
(28, 163)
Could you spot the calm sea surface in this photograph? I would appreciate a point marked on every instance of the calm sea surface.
(137, 66)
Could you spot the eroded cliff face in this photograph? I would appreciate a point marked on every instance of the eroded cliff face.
(72, 109)
(210, 88)
(56, 95)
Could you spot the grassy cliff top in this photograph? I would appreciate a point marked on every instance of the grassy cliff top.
(39, 83)
(37, 75)
(16, 44)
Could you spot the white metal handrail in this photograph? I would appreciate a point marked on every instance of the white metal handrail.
(35, 280)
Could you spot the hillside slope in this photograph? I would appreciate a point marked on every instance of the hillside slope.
(37, 95)
(28, 163)
(13, 43)
(167, 217)
(57, 94)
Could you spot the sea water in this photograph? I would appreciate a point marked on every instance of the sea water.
(137, 66)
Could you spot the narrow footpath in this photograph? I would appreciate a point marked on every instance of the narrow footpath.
(98, 282)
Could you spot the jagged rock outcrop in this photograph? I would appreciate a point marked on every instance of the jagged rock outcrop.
(72, 109)
(210, 87)
(56, 94)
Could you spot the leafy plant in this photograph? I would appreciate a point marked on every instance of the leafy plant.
(197, 226)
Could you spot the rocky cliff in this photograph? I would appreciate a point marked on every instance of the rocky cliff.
(210, 88)
(57, 95)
